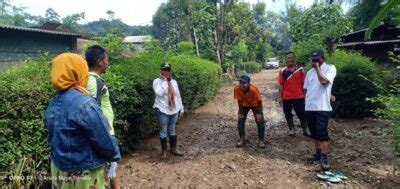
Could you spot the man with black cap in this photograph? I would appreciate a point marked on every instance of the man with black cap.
(318, 86)
(249, 98)
(169, 108)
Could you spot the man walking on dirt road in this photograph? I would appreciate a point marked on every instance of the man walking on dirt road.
(249, 98)
(318, 86)
(291, 80)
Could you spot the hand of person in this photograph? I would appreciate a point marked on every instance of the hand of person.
(314, 64)
(333, 98)
(163, 78)
(181, 115)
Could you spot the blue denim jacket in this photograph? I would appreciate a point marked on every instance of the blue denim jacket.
(78, 133)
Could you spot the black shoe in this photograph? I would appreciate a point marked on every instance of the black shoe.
(325, 165)
(314, 157)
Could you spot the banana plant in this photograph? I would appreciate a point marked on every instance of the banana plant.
(391, 5)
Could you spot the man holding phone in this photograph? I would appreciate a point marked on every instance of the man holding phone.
(317, 87)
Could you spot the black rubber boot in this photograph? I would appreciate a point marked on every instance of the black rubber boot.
(163, 148)
(242, 140)
(173, 144)
(261, 134)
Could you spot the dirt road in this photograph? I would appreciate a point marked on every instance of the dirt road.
(360, 149)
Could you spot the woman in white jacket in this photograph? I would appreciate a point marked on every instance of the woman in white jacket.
(169, 108)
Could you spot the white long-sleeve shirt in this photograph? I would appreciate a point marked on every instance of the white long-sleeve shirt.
(160, 88)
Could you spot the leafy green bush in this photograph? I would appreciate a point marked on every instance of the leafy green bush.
(240, 73)
(249, 67)
(357, 79)
(27, 92)
(186, 47)
(199, 79)
(24, 96)
(304, 49)
(389, 108)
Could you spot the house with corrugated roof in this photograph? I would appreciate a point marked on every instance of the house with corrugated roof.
(137, 41)
(21, 43)
(383, 39)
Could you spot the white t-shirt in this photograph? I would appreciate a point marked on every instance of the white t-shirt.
(318, 96)
(161, 102)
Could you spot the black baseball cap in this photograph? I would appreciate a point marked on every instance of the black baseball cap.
(244, 79)
(165, 66)
(316, 54)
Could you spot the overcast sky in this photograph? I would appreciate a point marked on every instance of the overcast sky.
(132, 12)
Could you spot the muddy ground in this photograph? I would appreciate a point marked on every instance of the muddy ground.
(359, 148)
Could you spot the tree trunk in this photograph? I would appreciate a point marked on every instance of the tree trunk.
(217, 47)
(189, 24)
(216, 41)
(196, 40)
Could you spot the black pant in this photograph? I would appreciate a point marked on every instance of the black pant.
(260, 123)
(299, 108)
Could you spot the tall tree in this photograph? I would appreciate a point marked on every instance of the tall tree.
(111, 15)
(319, 26)
(4, 6)
(364, 11)
(215, 27)
(51, 16)
(70, 22)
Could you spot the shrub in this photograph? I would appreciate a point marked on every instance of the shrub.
(249, 67)
(389, 108)
(304, 49)
(24, 96)
(114, 45)
(240, 73)
(357, 79)
(186, 47)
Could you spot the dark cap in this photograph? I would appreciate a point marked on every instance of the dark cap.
(244, 79)
(165, 66)
(316, 54)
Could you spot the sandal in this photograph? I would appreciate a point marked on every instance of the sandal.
(328, 177)
(337, 174)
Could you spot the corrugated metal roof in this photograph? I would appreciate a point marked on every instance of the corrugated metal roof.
(39, 30)
(365, 29)
(368, 43)
(137, 39)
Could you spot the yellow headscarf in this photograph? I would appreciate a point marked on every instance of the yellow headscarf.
(69, 70)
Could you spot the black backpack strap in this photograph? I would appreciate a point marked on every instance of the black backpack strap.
(101, 90)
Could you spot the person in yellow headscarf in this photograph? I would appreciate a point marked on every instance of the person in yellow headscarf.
(79, 139)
